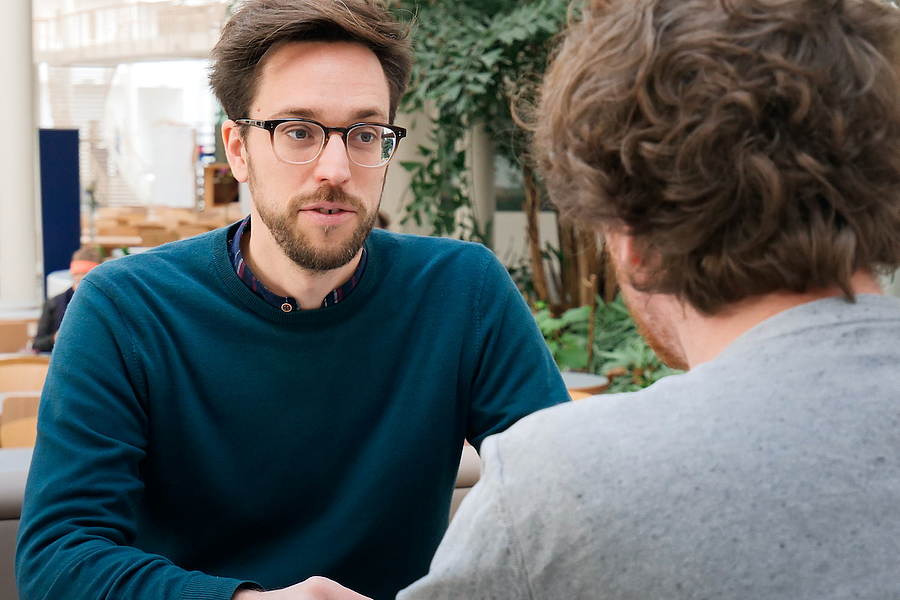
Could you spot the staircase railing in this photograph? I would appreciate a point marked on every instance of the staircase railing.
(128, 32)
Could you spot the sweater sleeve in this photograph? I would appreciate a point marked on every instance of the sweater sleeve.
(78, 525)
(480, 557)
(513, 371)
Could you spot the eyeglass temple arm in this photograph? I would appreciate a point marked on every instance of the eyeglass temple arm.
(252, 122)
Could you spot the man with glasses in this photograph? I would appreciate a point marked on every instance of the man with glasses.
(288, 396)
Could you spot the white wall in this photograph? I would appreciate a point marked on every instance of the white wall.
(152, 104)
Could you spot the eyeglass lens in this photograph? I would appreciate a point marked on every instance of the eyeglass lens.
(367, 145)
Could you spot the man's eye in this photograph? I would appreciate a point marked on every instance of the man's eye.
(365, 137)
(297, 133)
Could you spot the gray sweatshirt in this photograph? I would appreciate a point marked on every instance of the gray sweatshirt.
(770, 472)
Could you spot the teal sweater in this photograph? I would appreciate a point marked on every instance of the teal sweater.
(192, 437)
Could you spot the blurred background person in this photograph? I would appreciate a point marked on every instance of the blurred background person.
(83, 260)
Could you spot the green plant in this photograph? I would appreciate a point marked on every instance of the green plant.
(618, 351)
(520, 272)
(479, 63)
(475, 61)
(566, 336)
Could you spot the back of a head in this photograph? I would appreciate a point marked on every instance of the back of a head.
(259, 26)
(749, 146)
(87, 254)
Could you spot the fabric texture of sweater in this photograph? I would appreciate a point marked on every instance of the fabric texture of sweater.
(770, 472)
(192, 437)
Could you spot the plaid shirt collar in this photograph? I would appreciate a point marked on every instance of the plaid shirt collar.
(285, 303)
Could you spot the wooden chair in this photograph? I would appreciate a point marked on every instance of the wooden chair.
(21, 433)
(18, 406)
(14, 336)
(118, 231)
(18, 420)
(23, 373)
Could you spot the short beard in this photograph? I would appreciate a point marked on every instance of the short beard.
(650, 326)
(296, 244)
(660, 341)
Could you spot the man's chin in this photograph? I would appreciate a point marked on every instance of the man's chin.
(326, 251)
(323, 260)
(651, 327)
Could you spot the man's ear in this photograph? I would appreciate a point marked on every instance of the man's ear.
(235, 149)
(627, 258)
(622, 249)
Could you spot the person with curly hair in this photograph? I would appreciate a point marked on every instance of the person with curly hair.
(741, 159)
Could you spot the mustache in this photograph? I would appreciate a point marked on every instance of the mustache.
(336, 195)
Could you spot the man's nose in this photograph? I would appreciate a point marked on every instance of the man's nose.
(333, 165)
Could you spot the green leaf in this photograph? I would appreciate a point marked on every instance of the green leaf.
(576, 315)
(571, 357)
(489, 59)
(452, 93)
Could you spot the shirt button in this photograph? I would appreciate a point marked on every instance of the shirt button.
(286, 307)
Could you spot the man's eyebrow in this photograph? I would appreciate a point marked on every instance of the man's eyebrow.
(362, 114)
(369, 114)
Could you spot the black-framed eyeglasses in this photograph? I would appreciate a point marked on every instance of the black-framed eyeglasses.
(301, 141)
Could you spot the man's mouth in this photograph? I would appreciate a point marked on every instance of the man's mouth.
(333, 206)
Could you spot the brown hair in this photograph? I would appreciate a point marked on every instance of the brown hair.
(88, 253)
(748, 146)
(260, 25)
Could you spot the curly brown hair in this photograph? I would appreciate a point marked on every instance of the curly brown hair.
(748, 146)
(261, 25)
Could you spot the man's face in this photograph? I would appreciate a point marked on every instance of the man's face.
(319, 213)
(76, 279)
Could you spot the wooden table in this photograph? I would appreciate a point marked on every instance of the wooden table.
(585, 382)
(111, 242)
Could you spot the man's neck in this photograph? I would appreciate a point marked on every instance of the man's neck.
(704, 337)
(284, 277)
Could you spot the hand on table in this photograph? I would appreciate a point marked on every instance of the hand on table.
(314, 588)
